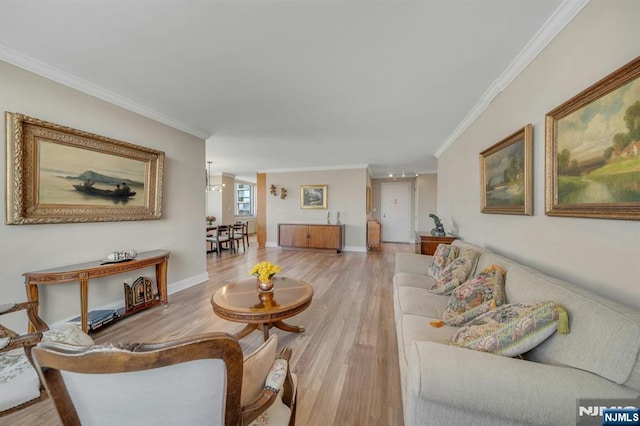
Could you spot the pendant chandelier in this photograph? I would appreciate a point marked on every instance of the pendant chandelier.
(209, 187)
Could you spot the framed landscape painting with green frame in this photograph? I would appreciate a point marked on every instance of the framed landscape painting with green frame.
(506, 175)
(593, 150)
(56, 174)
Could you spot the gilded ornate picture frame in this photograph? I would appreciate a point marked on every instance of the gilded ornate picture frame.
(56, 174)
(593, 150)
(313, 196)
(506, 175)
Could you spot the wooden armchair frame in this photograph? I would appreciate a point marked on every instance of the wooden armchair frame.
(24, 341)
(52, 358)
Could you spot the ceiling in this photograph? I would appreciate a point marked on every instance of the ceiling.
(277, 85)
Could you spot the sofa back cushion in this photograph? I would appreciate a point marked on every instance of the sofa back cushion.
(456, 272)
(475, 297)
(444, 254)
(604, 337)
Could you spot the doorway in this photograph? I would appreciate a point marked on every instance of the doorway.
(395, 214)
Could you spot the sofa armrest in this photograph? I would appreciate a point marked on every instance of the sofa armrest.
(508, 388)
(412, 263)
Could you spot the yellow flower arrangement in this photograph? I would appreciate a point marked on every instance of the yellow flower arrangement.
(264, 271)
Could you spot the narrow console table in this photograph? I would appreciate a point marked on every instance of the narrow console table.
(427, 243)
(82, 272)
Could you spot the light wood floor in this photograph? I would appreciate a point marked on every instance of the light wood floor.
(346, 360)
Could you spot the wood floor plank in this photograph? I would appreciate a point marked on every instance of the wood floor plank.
(346, 360)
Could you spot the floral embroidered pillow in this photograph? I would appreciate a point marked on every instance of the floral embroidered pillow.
(456, 272)
(443, 255)
(475, 297)
(512, 329)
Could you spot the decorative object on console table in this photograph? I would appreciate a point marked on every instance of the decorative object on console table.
(313, 196)
(57, 174)
(594, 173)
(139, 295)
(427, 243)
(506, 175)
(373, 234)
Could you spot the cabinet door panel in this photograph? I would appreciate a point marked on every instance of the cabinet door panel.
(327, 237)
(293, 235)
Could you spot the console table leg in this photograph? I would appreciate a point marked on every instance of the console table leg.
(161, 280)
(32, 295)
(84, 304)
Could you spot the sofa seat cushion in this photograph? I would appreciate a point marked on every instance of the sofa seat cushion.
(407, 279)
(598, 326)
(475, 297)
(415, 328)
(510, 330)
(417, 301)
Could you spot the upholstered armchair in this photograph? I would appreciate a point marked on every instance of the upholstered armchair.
(19, 383)
(194, 380)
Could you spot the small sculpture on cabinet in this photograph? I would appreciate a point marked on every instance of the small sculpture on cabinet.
(438, 231)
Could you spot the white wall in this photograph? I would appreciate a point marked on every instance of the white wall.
(346, 193)
(426, 201)
(602, 255)
(34, 247)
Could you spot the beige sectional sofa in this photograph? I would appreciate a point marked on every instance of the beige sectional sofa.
(446, 384)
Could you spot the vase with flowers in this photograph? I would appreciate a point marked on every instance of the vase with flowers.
(211, 220)
(265, 271)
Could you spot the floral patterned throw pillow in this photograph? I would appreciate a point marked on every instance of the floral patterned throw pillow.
(512, 329)
(443, 255)
(456, 272)
(479, 295)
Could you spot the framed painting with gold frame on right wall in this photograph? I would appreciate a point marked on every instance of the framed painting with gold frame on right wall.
(506, 175)
(593, 150)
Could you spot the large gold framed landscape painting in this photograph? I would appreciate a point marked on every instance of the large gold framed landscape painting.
(593, 150)
(56, 174)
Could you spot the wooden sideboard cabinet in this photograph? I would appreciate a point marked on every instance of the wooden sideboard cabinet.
(373, 234)
(294, 236)
(427, 243)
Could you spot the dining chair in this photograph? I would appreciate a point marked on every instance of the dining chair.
(195, 380)
(238, 235)
(245, 231)
(221, 237)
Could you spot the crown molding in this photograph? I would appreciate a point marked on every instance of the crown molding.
(37, 67)
(315, 169)
(551, 28)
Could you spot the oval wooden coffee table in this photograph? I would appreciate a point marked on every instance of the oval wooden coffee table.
(242, 302)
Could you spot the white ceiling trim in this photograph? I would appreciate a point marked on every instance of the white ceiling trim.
(561, 17)
(315, 169)
(30, 64)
